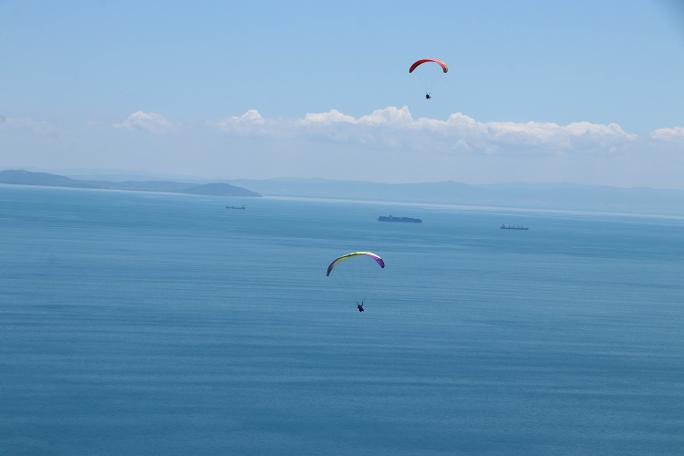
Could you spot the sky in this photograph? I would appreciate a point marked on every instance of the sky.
(586, 91)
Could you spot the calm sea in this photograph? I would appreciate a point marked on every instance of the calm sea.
(148, 324)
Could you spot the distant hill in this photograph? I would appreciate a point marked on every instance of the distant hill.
(219, 189)
(22, 177)
(528, 196)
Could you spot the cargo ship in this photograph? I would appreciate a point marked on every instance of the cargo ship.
(514, 227)
(391, 218)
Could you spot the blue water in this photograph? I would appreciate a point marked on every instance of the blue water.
(144, 324)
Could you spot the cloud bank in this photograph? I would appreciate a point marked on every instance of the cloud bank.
(390, 142)
(396, 127)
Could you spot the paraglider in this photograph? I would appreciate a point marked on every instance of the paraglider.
(347, 256)
(373, 256)
(441, 63)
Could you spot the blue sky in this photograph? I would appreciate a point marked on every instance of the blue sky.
(74, 75)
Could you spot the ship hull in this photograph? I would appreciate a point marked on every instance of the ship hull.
(391, 219)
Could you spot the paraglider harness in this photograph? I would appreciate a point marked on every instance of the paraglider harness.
(428, 95)
(360, 306)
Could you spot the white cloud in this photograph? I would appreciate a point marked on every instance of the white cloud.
(668, 134)
(39, 127)
(151, 122)
(390, 115)
(397, 127)
(251, 122)
(326, 118)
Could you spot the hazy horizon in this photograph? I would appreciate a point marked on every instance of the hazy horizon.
(116, 175)
(524, 196)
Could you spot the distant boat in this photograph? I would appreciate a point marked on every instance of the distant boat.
(514, 227)
(239, 208)
(390, 218)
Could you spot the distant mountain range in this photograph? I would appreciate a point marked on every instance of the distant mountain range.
(21, 177)
(525, 196)
(528, 196)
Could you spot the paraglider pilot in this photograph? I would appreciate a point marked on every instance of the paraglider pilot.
(427, 95)
(359, 306)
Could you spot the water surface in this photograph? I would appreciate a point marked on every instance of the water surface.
(149, 324)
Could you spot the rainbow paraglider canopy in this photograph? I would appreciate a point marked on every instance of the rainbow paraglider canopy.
(347, 256)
